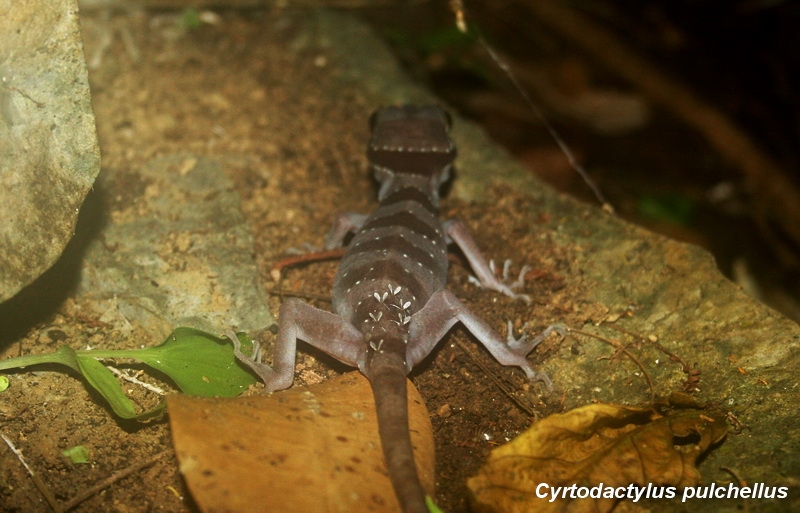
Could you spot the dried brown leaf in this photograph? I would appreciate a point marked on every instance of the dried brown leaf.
(312, 448)
(607, 444)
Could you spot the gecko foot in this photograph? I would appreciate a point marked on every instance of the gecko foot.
(539, 376)
(520, 281)
(264, 371)
(522, 346)
(502, 285)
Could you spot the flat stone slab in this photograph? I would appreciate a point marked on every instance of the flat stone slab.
(175, 251)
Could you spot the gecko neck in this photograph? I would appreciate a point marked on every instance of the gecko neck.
(423, 187)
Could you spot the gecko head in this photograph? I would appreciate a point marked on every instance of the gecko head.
(411, 140)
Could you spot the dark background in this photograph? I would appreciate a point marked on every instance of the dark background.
(740, 58)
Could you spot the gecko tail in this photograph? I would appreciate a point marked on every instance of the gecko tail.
(387, 375)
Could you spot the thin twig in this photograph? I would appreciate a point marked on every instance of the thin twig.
(692, 373)
(132, 379)
(111, 480)
(622, 348)
(316, 256)
(68, 505)
(774, 193)
(302, 295)
(458, 9)
(741, 482)
(495, 380)
(49, 497)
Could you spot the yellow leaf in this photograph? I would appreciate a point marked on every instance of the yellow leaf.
(591, 457)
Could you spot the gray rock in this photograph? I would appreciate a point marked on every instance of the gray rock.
(49, 156)
(176, 252)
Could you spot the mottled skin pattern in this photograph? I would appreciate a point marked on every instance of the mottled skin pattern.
(390, 303)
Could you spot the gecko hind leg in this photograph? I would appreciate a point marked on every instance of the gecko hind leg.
(443, 310)
(326, 331)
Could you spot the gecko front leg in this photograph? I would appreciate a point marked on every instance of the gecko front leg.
(344, 223)
(300, 321)
(458, 232)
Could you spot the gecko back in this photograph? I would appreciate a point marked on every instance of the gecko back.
(398, 257)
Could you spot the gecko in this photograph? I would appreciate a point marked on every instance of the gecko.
(390, 302)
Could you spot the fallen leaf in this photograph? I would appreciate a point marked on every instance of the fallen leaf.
(305, 449)
(607, 444)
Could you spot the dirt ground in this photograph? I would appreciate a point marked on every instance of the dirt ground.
(207, 92)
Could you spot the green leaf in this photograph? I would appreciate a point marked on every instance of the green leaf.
(107, 384)
(190, 19)
(199, 363)
(667, 208)
(432, 506)
(64, 355)
(3, 383)
(77, 454)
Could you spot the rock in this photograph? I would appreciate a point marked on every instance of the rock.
(176, 251)
(49, 155)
